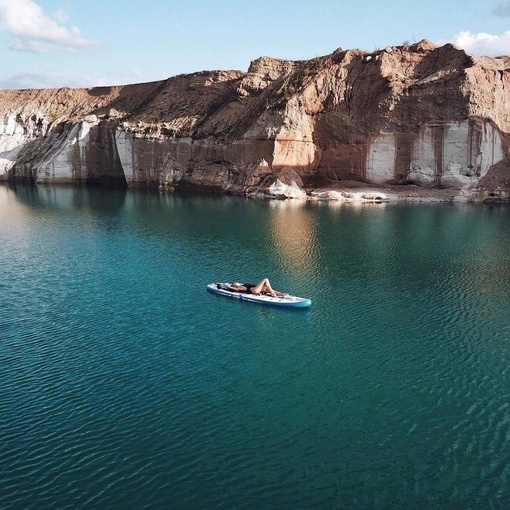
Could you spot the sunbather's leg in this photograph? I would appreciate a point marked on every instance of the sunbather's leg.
(265, 286)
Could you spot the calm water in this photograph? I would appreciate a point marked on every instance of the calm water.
(124, 384)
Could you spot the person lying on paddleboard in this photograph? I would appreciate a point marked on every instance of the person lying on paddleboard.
(263, 287)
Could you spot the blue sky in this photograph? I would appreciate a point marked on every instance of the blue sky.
(84, 43)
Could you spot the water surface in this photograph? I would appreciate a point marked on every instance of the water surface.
(124, 384)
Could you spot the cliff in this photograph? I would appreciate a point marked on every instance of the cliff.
(419, 114)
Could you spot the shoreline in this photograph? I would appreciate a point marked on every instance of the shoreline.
(399, 193)
(336, 192)
(361, 192)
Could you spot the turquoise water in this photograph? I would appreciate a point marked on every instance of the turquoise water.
(124, 384)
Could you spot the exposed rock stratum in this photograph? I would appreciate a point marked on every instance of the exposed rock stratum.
(432, 116)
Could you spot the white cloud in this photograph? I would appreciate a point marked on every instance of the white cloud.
(28, 46)
(49, 80)
(35, 80)
(61, 16)
(25, 20)
(52, 80)
(502, 8)
(484, 44)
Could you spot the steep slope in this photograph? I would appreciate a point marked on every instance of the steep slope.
(433, 116)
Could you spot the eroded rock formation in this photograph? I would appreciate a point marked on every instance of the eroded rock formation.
(432, 116)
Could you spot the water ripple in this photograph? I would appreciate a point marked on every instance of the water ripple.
(124, 384)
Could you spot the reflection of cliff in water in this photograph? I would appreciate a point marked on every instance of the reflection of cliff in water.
(109, 201)
(293, 232)
(49, 197)
(26, 194)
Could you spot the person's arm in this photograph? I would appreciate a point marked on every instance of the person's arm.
(237, 288)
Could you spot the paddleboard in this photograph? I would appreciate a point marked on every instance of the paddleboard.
(286, 301)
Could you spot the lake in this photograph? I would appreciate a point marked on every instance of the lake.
(124, 384)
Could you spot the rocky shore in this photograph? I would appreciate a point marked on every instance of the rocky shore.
(412, 122)
(356, 192)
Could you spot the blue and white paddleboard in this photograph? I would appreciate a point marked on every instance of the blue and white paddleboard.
(286, 301)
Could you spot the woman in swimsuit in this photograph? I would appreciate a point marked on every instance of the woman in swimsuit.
(263, 287)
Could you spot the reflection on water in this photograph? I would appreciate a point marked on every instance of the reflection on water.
(292, 226)
(295, 225)
(71, 199)
(123, 383)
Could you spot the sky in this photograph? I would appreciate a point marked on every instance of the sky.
(87, 43)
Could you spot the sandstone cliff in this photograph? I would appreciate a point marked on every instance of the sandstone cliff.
(432, 116)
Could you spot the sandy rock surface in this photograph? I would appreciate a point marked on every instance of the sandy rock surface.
(414, 122)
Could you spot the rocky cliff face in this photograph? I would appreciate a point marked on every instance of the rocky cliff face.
(432, 116)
